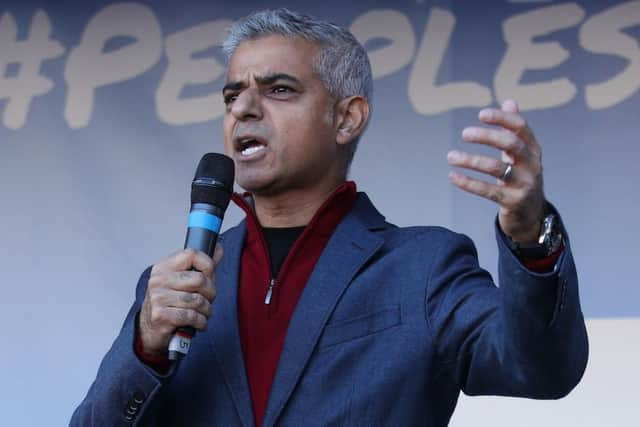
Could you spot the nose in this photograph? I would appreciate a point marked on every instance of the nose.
(247, 105)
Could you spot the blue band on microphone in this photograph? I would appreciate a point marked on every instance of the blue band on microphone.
(205, 220)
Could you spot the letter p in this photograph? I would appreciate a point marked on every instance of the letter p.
(90, 67)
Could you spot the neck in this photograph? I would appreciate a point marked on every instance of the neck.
(293, 208)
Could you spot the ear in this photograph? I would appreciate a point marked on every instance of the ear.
(352, 114)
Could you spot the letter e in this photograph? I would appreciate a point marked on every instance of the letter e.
(522, 54)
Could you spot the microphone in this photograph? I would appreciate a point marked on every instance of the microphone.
(210, 194)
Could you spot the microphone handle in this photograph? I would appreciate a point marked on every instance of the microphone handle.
(202, 234)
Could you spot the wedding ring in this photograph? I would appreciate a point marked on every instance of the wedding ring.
(507, 173)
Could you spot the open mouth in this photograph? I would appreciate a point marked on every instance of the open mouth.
(249, 145)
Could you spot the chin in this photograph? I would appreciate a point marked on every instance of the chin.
(256, 185)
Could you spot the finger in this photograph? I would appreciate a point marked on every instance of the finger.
(185, 281)
(208, 289)
(207, 266)
(510, 106)
(179, 299)
(177, 261)
(479, 163)
(178, 317)
(195, 281)
(497, 193)
(203, 262)
(512, 121)
(497, 138)
(507, 158)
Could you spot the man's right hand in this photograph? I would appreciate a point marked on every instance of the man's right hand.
(180, 292)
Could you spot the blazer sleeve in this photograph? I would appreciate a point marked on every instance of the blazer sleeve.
(526, 338)
(125, 390)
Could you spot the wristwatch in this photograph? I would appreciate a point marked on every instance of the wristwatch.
(549, 240)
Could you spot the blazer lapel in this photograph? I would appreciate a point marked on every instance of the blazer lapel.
(351, 246)
(225, 331)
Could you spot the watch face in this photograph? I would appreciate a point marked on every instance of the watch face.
(551, 237)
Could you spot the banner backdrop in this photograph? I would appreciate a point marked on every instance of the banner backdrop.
(105, 109)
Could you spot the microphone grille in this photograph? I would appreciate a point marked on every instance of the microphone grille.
(216, 166)
(213, 181)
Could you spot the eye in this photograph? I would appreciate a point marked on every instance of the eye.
(281, 90)
(230, 97)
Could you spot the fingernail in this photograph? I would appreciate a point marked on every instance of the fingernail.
(453, 155)
(484, 114)
(468, 133)
(510, 105)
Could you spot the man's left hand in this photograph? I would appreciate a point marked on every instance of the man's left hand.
(519, 189)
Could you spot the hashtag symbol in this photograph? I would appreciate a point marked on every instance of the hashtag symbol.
(20, 61)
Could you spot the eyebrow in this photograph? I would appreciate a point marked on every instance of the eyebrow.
(262, 80)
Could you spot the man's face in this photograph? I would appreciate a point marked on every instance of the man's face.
(279, 125)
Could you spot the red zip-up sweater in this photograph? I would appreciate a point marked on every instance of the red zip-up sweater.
(265, 302)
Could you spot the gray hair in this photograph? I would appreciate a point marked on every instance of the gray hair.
(341, 64)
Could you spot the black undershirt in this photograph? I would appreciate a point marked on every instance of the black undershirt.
(279, 243)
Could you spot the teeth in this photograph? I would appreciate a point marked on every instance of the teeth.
(253, 149)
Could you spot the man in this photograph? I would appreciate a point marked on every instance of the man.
(322, 313)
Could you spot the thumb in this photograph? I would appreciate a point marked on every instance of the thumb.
(510, 106)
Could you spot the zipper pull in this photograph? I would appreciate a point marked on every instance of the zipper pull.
(272, 284)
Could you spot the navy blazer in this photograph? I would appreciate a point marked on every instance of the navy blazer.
(391, 325)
